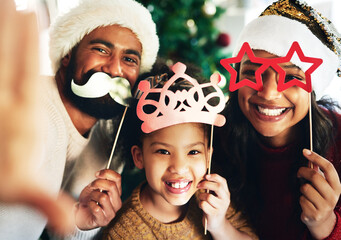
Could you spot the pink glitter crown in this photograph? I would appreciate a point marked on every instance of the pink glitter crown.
(182, 106)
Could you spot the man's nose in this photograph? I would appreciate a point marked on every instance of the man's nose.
(113, 67)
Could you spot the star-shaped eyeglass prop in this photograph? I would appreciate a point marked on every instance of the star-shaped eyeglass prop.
(265, 63)
(234, 85)
(315, 63)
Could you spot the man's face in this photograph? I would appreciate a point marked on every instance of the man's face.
(113, 50)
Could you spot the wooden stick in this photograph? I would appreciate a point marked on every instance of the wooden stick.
(115, 141)
(310, 130)
(209, 167)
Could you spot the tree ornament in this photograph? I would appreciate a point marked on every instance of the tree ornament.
(223, 40)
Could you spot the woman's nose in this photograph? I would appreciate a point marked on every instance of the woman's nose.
(269, 90)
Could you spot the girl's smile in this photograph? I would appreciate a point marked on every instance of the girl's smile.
(178, 186)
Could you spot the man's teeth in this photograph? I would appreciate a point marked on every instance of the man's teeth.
(271, 112)
(178, 184)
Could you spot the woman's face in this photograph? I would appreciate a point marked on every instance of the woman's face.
(273, 114)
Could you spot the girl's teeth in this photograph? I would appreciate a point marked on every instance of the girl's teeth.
(271, 112)
(178, 184)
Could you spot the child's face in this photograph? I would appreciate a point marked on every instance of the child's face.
(175, 161)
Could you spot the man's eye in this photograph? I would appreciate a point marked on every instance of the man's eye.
(101, 50)
(163, 151)
(128, 59)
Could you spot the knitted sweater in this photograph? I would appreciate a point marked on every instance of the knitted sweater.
(61, 144)
(134, 222)
(280, 218)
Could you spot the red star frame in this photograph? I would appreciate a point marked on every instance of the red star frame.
(272, 62)
(234, 85)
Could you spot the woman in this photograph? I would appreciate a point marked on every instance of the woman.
(259, 150)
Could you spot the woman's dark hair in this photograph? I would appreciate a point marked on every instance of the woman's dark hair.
(235, 146)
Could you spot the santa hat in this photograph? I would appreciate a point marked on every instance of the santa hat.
(69, 29)
(287, 21)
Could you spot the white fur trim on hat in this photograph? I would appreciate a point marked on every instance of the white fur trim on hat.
(69, 29)
(275, 34)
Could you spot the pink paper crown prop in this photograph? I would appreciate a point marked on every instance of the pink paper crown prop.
(182, 106)
(265, 63)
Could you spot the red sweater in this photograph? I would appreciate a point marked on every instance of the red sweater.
(280, 218)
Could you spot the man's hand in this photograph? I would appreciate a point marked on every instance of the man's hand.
(99, 201)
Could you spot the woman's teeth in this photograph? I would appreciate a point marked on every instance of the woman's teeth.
(177, 184)
(271, 111)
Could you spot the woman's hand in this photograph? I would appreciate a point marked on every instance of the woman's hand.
(319, 196)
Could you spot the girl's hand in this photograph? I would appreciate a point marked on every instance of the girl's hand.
(320, 196)
(216, 202)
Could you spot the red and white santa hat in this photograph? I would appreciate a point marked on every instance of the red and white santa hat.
(69, 29)
(287, 21)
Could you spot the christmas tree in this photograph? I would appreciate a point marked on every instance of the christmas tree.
(187, 33)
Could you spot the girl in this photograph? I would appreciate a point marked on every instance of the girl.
(173, 150)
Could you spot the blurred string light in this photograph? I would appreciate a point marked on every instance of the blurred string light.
(209, 8)
(192, 26)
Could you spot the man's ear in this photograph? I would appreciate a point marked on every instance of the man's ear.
(66, 60)
(136, 153)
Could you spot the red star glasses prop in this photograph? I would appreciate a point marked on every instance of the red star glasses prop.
(265, 63)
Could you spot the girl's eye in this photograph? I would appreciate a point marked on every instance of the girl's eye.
(193, 152)
(163, 151)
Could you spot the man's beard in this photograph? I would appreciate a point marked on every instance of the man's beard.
(100, 108)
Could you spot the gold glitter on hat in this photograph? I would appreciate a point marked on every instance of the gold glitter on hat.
(320, 26)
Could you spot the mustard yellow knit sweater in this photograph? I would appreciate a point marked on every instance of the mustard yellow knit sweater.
(133, 222)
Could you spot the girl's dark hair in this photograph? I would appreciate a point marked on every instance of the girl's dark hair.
(132, 132)
(235, 146)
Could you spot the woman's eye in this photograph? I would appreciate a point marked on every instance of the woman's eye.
(163, 151)
(248, 72)
(292, 77)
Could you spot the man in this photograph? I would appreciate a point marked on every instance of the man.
(115, 37)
